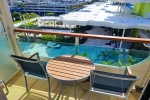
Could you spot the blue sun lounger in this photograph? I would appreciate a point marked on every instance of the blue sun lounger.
(53, 45)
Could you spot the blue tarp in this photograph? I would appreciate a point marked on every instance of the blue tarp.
(16, 9)
(130, 6)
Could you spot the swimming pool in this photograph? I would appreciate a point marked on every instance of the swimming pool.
(99, 55)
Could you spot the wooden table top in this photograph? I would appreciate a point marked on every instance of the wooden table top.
(69, 67)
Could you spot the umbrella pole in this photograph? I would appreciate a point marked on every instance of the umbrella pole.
(54, 23)
(61, 26)
(120, 7)
(70, 27)
(124, 8)
(122, 36)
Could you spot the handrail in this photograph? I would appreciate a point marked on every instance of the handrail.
(116, 38)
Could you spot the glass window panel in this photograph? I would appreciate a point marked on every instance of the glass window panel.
(1, 27)
(7, 65)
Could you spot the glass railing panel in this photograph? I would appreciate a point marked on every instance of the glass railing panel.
(99, 55)
(112, 56)
(48, 49)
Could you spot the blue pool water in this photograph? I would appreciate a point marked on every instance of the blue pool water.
(44, 51)
(100, 55)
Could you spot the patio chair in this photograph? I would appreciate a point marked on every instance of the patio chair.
(32, 68)
(111, 84)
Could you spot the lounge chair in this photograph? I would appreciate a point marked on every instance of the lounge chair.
(53, 45)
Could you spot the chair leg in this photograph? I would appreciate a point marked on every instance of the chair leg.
(25, 80)
(89, 95)
(61, 86)
(49, 93)
(74, 91)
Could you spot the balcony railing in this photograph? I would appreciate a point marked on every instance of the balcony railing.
(116, 38)
(117, 57)
(107, 59)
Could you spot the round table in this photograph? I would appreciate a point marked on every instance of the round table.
(69, 69)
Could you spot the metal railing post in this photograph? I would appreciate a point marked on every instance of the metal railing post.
(76, 40)
(76, 45)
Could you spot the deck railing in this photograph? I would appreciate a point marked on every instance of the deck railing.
(105, 58)
(99, 54)
(116, 38)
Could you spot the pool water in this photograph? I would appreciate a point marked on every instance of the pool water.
(99, 55)
(44, 51)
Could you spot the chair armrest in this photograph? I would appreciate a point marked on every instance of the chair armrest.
(37, 54)
(129, 72)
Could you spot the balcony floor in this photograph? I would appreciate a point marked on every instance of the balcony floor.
(38, 91)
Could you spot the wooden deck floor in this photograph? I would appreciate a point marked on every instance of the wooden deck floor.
(38, 91)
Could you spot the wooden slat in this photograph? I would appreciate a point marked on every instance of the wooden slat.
(115, 38)
(74, 60)
(70, 67)
(71, 64)
(64, 75)
(69, 70)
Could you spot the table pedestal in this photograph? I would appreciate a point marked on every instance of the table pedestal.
(74, 84)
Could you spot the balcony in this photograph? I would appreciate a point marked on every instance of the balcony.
(136, 59)
(38, 88)
(39, 91)
(104, 58)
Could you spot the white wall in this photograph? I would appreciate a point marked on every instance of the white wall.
(141, 69)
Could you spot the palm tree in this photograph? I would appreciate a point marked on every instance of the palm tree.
(27, 15)
(33, 15)
(22, 5)
(50, 14)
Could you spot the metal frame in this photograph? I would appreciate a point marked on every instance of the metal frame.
(26, 74)
(3, 22)
(6, 33)
(3, 83)
(113, 77)
(65, 82)
(145, 87)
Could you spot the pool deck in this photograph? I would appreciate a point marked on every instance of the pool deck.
(96, 42)
(97, 30)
